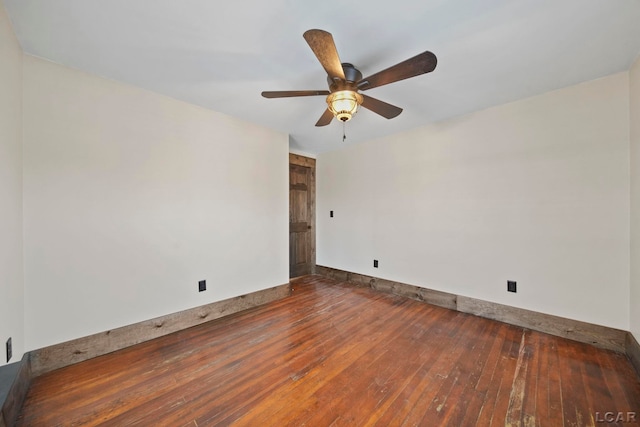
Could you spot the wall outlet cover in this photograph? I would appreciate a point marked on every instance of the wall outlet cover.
(9, 350)
(511, 286)
(202, 285)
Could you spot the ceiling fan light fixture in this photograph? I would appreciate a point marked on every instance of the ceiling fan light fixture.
(344, 104)
(345, 80)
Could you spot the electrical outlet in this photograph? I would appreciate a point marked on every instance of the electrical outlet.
(511, 286)
(9, 349)
(375, 263)
(331, 214)
(202, 285)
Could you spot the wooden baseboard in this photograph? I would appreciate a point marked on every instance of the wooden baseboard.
(599, 336)
(589, 333)
(17, 393)
(441, 299)
(633, 351)
(77, 350)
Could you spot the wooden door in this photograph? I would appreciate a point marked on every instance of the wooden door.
(301, 215)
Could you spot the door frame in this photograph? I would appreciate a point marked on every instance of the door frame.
(299, 160)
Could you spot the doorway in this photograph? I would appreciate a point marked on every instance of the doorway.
(302, 215)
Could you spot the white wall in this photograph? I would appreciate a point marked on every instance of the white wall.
(11, 275)
(634, 300)
(130, 198)
(535, 191)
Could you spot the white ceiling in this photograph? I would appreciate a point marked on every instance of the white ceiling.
(222, 55)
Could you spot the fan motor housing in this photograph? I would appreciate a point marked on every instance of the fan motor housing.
(351, 74)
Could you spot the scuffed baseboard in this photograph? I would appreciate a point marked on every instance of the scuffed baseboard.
(599, 336)
(67, 353)
(40, 361)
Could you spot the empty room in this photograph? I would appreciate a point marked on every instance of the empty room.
(319, 213)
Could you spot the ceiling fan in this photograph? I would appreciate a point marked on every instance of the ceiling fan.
(346, 82)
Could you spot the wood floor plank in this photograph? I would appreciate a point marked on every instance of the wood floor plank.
(282, 371)
(335, 354)
(622, 385)
(352, 347)
(422, 357)
(489, 373)
(446, 398)
(542, 384)
(411, 402)
(592, 378)
(494, 409)
(574, 400)
(459, 402)
(515, 411)
(371, 375)
(556, 380)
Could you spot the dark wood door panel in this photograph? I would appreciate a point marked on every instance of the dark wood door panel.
(301, 216)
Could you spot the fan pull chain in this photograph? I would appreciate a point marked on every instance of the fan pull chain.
(344, 135)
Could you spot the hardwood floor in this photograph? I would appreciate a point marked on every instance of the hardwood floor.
(334, 354)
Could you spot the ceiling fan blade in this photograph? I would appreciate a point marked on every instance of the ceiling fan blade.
(419, 64)
(325, 119)
(291, 93)
(380, 107)
(322, 45)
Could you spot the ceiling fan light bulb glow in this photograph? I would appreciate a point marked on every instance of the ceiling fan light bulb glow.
(344, 104)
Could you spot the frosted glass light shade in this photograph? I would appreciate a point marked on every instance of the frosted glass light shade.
(344, 104)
